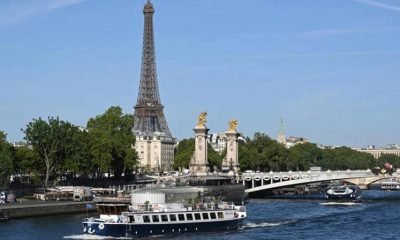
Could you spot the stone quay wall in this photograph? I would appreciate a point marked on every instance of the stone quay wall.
(37, 208)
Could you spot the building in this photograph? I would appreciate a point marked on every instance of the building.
(217, 141)
(154, 142)
(293, 141)
(21, 144)
(290, 141)
(377, 152)
(392, 146)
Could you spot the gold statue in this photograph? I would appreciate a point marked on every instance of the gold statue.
(233, 125)
(202, 119)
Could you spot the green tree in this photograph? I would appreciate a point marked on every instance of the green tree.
(303, 156)
(6, 159)
(112, 142)
(79, 161)
(343, 158)
(262, 153)
(184, 152)
(389, 158)
(53, 140)
(247, 156)
(27, 161)
(214, 158)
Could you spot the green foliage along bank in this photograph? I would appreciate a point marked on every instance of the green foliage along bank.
(265, 154)
(57, 149)
(6, 158)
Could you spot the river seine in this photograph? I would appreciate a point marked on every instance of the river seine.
(377, 217)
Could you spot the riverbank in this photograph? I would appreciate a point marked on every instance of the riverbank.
(35, 208)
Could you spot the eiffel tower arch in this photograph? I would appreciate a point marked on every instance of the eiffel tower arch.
(154, 142)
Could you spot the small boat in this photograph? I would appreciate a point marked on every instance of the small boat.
(390, 184)
(343, 193)
(152, 218)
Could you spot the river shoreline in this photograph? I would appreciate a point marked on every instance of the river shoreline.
(36, 208)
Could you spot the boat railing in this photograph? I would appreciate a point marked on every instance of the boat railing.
(241, 208)
(168, 207)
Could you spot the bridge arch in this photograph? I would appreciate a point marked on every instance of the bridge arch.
(260, 183)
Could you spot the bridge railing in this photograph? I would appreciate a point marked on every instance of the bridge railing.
(273, 177)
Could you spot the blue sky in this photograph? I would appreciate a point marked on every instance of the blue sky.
(330, 68)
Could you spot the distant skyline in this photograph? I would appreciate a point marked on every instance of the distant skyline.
(330, 69)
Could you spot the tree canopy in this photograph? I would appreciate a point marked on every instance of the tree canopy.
(54, 141)
(185, 151)
(389, 158)
(6, 159)
(264, 154)
(60, 148)
(112, 141)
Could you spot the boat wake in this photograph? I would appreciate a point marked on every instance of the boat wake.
(266, 224)
(340, 204)
(90, 237)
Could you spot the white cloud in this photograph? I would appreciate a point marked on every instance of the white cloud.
(19, 11)
(380, 5)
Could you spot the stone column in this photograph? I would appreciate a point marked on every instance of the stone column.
(199, 163)
(232, 154)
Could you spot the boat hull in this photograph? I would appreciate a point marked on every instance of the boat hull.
(141, 230)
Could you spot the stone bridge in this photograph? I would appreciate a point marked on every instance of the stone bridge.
(259, 182)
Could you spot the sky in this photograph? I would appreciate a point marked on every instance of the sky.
(330, 69)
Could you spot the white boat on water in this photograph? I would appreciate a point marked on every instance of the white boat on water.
(148, 215)
(390, 184)
(343, 193)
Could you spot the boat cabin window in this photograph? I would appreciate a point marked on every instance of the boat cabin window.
(110, 209)
(197, 216)
(146, 218)
(172, 217)
(131, 219)
(213, 216)
(205, 215)
(181, 217)
(164, 218)
(156, 218)
(220, 215)
(189, 216)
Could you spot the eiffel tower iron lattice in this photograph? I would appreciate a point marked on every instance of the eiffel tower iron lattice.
(149, 115)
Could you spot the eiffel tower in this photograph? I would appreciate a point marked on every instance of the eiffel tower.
(281, 136)
(154, 141)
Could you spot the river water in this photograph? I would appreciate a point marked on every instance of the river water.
(377, 217)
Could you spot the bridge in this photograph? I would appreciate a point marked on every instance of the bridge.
(259, 182)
